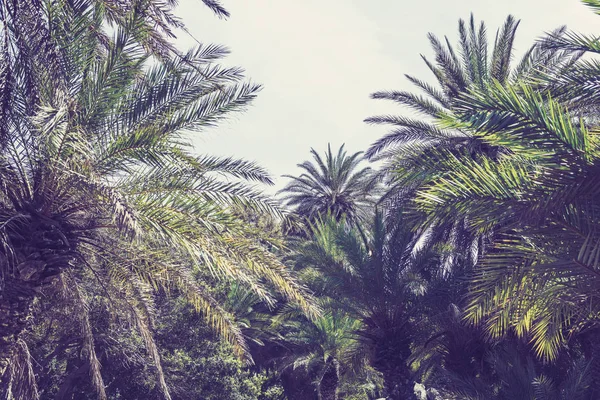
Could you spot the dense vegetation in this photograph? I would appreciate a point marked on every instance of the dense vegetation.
(456, 258)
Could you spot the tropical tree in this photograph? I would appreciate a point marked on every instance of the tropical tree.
(322, 347)
(473, 66)
(335, 185)
(100, 183)
(377, 278)
(523, 181)
(541, 199)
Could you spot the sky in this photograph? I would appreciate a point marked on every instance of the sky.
(319, 60)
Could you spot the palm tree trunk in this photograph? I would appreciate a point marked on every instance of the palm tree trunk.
(329, 383)
(392, 354)
(41, 251)
(16, 300)
(398, 383)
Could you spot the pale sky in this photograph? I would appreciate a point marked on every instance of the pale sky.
(319, 60)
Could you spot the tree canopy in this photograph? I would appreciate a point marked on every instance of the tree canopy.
(458, 257)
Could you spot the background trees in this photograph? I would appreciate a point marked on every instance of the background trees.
(498, 180)
(336, 185)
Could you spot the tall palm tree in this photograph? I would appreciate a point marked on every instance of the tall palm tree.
(335, 185)
(100, 182)
(532, 183)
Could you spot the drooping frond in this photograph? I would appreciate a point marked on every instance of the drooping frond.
(22, 384)
(216, 7)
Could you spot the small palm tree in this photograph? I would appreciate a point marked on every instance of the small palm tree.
(321, 347)
(328, 350)
(335, 185)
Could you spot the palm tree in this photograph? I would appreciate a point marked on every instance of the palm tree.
(473, 67)
(335, 185)
(536, 192)
(322, 347)
(377, 279)
(476, 68)
(540, 277)
(100, 183)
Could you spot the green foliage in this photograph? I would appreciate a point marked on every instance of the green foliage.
(374, 276)
(509, 163)
(533, 197)
(101, 188)
(195, 362)
(126, 258)
(335, 185)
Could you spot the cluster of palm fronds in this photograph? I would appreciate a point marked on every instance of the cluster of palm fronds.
(508, 161)
(528, 187)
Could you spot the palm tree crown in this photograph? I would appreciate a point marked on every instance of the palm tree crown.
(473, 67)
(336, 185)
